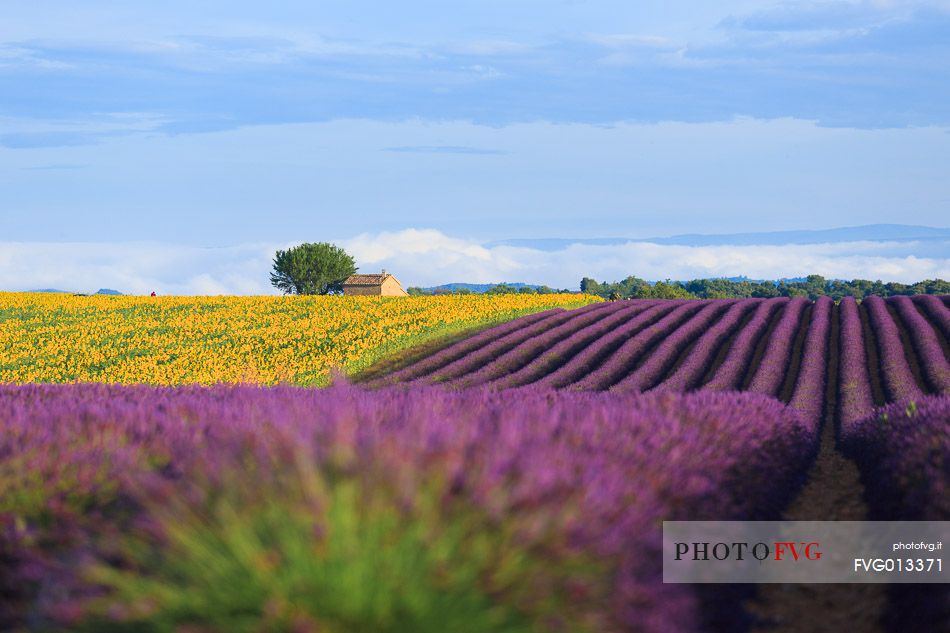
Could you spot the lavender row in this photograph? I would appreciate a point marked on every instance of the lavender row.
(566, 348)
(933, 363)
(808, 397)
(590, 358)
(619, 364)
(729, 375)
(662, 358)
(937, 311)
(771, 371)
(903, 451)
(899, 382)
(855, 396)
(469, 344)
(523, 353)
(568, 491)
(480, 355)
(701, 356)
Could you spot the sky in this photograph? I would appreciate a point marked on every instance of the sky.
(173, 147)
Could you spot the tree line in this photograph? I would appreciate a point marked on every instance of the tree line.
(813, 286)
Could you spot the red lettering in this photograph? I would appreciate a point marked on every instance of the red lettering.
(809, 550)
(780, 549)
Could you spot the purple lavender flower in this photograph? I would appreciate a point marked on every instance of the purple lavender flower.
(736, 364)
(700, 357)
(855, 397)
(933, 363)
(81, 465)
(899, 382)
(770, 374)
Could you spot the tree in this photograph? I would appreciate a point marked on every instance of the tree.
(670, 290)
(590, 286)
(311, 269)
(633, 288)
(765, 289)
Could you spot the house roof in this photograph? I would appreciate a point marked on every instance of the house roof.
(367, 280)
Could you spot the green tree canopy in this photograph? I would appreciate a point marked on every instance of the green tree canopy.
(812, 286)
(311, 269)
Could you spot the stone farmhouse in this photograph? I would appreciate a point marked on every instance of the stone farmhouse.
(382, 285)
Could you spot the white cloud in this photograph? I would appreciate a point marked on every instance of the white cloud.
(429, 257)
(487, 48)
(20, 57)
(136, 268)
(425, 257)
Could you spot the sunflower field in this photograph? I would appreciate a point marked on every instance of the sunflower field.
(60, 338)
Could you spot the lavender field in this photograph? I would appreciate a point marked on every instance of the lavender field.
(870, 381)
(282, 509)
(515, 480)
(886, 350)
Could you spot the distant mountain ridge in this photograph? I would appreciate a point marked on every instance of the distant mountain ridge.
(482, 288)
(868, 232)
(476, 287)
(101, 291)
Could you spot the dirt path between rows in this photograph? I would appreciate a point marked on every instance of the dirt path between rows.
(833, 493)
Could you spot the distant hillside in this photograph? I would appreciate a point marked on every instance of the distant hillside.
(453, 287)
(866, 233)
(869, 232)
(481, 288)
(101, 291)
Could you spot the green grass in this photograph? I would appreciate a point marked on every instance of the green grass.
(251, 555)
(395, 356)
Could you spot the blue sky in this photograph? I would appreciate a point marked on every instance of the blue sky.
(236, 123)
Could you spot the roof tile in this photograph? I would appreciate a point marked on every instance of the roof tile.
(365, 280)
